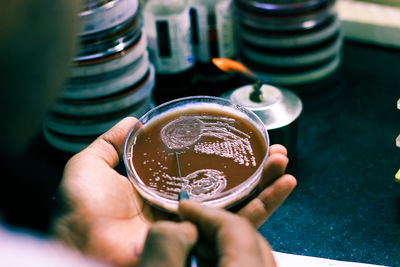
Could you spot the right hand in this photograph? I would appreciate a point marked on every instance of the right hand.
(223, 239)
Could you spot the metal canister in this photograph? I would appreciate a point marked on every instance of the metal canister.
(277, 107)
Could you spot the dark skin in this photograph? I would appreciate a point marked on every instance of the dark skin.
(106, 217)
(103, 216)
(232, 239)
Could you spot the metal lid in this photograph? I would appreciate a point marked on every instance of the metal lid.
(278, 108)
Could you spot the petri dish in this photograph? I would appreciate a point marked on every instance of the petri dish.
(113, 103)
(289, 7)
(104, 15)
(211, 148)
(285, 22)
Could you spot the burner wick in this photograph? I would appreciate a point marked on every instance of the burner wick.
(256, 95)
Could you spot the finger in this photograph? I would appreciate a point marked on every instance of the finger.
(89, 179)
(277, 149)
(108, 147)
(274, 167)
(168, 244)
(206, 252)
(207, 219)
(266, 251)
(260, 208)
(230, 233)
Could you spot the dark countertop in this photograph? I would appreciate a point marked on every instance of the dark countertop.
(346, 205)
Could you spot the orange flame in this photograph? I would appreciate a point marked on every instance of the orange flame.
(230, 65)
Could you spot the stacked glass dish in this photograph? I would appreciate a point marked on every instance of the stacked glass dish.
(289, 42)
(111, 76)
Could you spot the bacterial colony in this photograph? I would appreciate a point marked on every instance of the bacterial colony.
(215, 152)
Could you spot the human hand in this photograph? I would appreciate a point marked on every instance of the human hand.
(105, 217)
(274, 187)
(223, 239)
(102, 214)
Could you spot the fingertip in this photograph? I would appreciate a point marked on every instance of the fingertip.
(277, 149)
(291, 180)
(186, 207)
(260, 208)
(280, 159)
(285, 185)
(189, 230)
(186, 232)
(277, 164)
(129, 120)
(170, 241)
(188, 203)
(122, 128)
(108, 147)
(183, 205)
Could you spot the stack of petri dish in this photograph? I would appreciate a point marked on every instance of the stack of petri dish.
(111, 77)
(291, 43)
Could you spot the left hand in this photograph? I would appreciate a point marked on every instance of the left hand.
(105, 217)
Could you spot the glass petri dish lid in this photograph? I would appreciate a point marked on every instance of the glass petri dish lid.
(210, 147)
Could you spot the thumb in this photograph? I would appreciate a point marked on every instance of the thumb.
(108, 147)
(168, 244)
